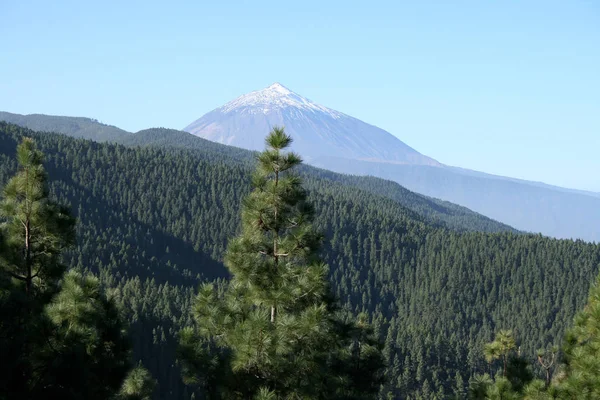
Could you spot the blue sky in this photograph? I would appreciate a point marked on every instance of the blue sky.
(505, 87)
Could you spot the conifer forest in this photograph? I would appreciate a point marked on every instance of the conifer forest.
(150, 270)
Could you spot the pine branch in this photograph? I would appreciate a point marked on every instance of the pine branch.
(19, 277)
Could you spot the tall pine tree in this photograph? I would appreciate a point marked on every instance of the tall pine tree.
(274, 331)
(580, 375)
(60, 335)
(36, 229)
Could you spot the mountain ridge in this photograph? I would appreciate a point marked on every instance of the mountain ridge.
(524, 205)
(81, 127)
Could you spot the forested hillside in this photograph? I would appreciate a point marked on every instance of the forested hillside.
(533, 207)
(154, 222)
(434, 210)
(79, 127)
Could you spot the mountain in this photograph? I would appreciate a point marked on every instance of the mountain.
(524, 205)
(441, 212)
(330, 139)
(154, 221)
(78, 127)
(433, 210)
(528, 207)
(317, 130)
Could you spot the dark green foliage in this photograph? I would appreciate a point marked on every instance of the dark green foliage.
(518, 372)
(60, 336)
(479, 386)
(36, 230)
(434, 210)
(274, 332)
(154, 223)
(501, 348)
(88, 352)
(514, 372)
(580, 375)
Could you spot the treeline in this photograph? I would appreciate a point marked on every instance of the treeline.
(154, 223)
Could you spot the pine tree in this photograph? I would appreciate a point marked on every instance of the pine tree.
(275, 332)
(500, 348)
(60, 335)
(36, 229)
(580, 377)
(516, 371)
(88, 352)
(479, 386)
(459, 386)
(138, 385)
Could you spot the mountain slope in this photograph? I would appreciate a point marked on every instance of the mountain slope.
(465, 171)
(154, 222)
(317, 130)
(433, 210)
(78, 127)
(332, 140)
(453, 216)
(533, 208)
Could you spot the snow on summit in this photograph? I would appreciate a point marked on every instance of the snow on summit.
(318, 132)
(273, 97)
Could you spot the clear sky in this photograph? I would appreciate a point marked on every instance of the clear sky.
(505, 87)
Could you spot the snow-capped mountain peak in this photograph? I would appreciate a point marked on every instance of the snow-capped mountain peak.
(272, 98)
(317, 131)
(278, 87)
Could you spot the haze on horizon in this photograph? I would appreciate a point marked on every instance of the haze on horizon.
(508, 88)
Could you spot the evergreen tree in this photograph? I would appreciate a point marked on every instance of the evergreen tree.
(275, 332)
(479, 385)
(34, 231)
(88, 352)
(36, 228)
(500, 348)
(138, 385)
(434, 287)
(580, 377)
(59, 338)
(515, 374)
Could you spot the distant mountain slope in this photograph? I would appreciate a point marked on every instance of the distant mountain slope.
(78, 127)
(171, 138)
(317, 130)
(437, 211)
(333, 140)
(465, 171)
(527, 207)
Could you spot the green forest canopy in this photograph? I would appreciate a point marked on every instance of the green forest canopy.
(154, 223)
